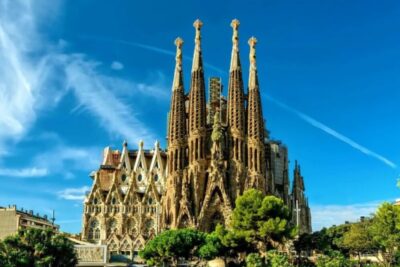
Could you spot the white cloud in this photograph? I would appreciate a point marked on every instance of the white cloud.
(328, 215)
(24, 172)
(62, 159)
(74, 193)
(116, 65)
(319, 125)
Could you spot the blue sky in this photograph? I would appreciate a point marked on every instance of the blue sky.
(76, 76)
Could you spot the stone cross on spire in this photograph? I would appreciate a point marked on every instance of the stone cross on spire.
(197, 64)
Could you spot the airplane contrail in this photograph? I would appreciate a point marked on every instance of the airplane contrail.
(319, 125)
(167, 52)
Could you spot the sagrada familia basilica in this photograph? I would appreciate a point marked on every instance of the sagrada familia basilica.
(216, 149)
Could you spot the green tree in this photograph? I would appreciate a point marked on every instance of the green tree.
(276, 259)
(35, 247)
(385, 229)
(171, 245)
(261, 221)
(358, 239)
(255, 260)
(225, 244)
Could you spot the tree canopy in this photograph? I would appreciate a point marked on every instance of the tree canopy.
(36, 247)
(262, 219)
(171, 245)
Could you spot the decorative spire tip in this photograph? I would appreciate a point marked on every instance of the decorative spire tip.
(252, 41)
(235, 24)
(197, 24)
(179, 42)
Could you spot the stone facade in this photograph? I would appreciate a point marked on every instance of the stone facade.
(215, 151)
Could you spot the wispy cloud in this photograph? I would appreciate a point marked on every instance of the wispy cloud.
(74, 193)
(96, 96)
(116, 65)
(64, 160)
(328, 215)
(35, 73)
(323, 127)
(24, 172)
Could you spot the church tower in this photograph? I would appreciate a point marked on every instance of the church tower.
(301, 210)
(236, 118)
(177, 143)
(255, 128)
(197, 140)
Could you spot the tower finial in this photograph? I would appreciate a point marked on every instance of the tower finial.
(178, 58)
(197, 24)
(235, 37)
(235, 61)
(197, 61)
(178, 83)
(253, 79)
(252, 43)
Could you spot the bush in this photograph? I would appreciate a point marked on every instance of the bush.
(255, 260)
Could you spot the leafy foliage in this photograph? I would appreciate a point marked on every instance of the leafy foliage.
(35, 247)
(335, 259)
(276, 259)
(171, 245)
(261, 219)
(385, 230)
(358, 239)
(255, 260)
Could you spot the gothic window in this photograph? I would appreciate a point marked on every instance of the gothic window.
(149, 201)
(113, 201)
(156, 164)
(132, 227)
(95, 201)
(139, 178)
(111, 227)
(155, 178)
(97, 234)
(149, 225)
(123, 177)
(94, 230)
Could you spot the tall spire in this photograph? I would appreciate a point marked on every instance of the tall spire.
(197, 102)
(255, 123)
(236, 111)
(236, 115)
(177, 119)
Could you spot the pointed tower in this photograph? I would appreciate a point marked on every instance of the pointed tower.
(176, 143)
(236, 117)
(255, 127)
(197, 140)
(301, 211)
(197, 102)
